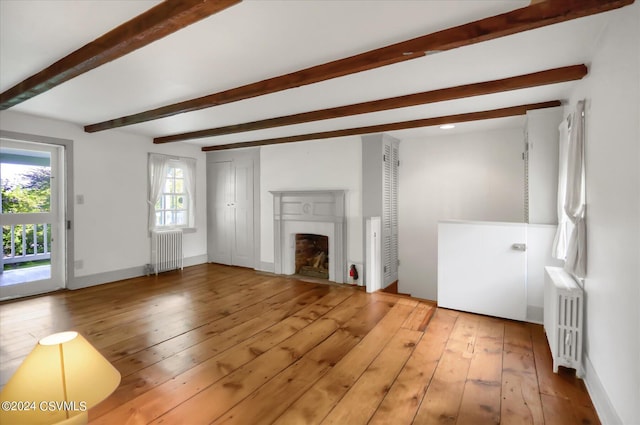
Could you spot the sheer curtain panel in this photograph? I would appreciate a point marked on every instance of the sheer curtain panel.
(560, 240)
(190, 186)
(157, 174)
(575, 196)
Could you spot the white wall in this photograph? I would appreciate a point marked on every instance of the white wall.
(110, 170)
(612, 284)
(473, 176)
(313, 165)
(542, 137)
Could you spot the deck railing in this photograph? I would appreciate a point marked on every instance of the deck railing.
(26, 242)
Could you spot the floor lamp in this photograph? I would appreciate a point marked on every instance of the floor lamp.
(58, 382)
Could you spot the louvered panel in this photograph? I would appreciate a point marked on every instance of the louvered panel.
(393, 260)
(394, 186)
(393, 256)
(386, 188)
(387, 259)
(390, 212)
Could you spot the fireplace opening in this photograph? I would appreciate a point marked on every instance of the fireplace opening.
(312, 255)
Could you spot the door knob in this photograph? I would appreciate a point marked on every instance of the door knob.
(519, 246)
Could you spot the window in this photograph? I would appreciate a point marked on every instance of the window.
(172, 208)
(171, 192)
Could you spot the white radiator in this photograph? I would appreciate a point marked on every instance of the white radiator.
(166, 250)
(563, 318)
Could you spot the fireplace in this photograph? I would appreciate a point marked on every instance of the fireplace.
(312, 255)
(309, 212)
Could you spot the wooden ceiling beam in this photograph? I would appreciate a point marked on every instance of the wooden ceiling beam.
(403, 125)
(533, 16)
(551, 76)
(154, 24)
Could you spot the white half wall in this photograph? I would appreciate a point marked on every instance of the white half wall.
(470, 176)
(314, 165)
(612, 284)
(110, 170)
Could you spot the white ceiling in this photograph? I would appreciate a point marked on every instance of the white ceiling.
(259, 39)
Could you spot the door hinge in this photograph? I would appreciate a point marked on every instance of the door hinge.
(68, 224)
(384, 158)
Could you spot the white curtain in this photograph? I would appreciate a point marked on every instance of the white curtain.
(560, 241)
(575, 197)
(157, 175)
(190, 183)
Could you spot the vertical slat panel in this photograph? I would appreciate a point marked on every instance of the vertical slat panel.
(166, 250)
(163, 255)
(13, 241)
(45, 235)
(24, 240)
(166, 241)
(154, 252)
(35, 239)
(386, 213)
(574, 325)
(579, 332)
(564, 298)
(173, 252)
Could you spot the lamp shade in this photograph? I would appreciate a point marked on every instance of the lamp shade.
(62, 377)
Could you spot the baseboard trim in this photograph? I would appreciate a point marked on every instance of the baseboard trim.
(87, 281)
(264, 266)
(535, 314)
(605, 410)
(194, 261)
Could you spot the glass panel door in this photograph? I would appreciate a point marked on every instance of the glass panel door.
(32, 218)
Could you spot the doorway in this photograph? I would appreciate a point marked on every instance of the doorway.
(32, 218)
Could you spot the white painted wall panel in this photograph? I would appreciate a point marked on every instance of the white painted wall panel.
(470, 176)
(110, 170)
(314, 165)
(612, 341)
(543, 137)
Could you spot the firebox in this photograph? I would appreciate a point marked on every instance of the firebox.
(312, 255)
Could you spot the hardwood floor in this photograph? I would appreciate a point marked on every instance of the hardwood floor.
(222, 345)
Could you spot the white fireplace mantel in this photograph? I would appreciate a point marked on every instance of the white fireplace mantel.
(320, 212)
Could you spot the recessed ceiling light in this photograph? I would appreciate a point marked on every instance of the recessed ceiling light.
(447, 127)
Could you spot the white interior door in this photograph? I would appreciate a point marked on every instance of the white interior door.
(482, 268)
(220, 221)
(33, 219)
(230, 194)
(242, 212)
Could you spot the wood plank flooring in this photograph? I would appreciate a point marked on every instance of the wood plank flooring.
(223, 345)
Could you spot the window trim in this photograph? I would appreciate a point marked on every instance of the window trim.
(162, 162)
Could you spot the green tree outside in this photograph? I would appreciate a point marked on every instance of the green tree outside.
(29, 194)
